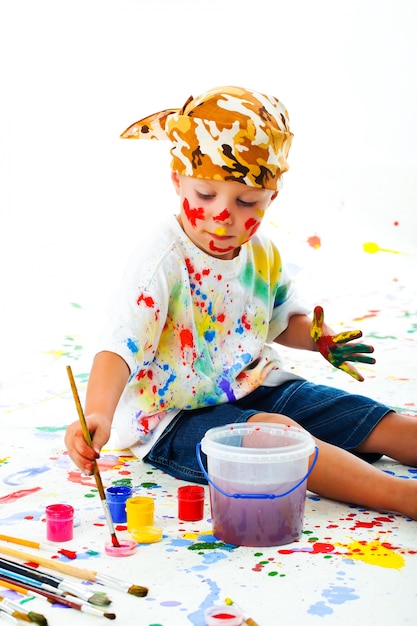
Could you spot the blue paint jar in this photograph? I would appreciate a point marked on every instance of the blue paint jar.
(116, 498)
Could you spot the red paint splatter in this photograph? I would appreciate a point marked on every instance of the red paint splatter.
(187, 339)
(214, 249)
(12, 497)
(322, 548)
(245, 322)
(221, 317)
(190, 266)
(252, 226)
(224, 215)
(193, 214)
(314, 242)
(148, 300)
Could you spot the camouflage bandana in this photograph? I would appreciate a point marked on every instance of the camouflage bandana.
(227, 133)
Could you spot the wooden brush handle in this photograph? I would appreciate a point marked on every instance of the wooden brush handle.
(58, 566)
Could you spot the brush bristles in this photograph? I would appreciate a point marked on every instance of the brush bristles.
(138, 591)
(37, 618)
(99, 599)
(109, 615)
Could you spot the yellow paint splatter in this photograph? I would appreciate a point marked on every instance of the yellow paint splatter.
(374, 553)
(195, 536)
(372, 247)
(220, 231)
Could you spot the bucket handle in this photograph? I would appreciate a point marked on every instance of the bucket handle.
(253, 496)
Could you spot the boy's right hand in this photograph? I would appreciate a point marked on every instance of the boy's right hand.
(80, 452)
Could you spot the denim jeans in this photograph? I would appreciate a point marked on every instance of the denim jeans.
(332, 415)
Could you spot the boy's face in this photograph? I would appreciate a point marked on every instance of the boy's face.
(220, 216)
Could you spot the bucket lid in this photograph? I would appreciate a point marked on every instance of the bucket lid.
(287, 443)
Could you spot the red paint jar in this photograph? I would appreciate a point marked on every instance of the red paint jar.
(223, 616)
(191, 503)
(59, 522)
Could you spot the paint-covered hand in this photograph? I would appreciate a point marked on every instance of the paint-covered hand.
(336, 349)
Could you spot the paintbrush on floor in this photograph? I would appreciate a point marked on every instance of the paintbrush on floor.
(77, 572)
(248, 620)
(25, 573)
(5, 617)
(87, 437)
(48, 547)
(55, 598)
(19, 612)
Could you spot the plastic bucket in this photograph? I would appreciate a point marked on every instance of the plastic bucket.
(257, 481)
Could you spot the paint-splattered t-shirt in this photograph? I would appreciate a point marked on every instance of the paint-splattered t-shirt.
(195, 330)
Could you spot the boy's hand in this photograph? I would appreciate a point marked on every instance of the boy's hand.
(334, 348)
(80, 452)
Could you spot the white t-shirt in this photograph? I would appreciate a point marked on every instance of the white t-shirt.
(195, 330)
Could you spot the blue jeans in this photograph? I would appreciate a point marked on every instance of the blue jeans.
(332, 415)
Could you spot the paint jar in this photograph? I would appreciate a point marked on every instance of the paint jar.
(116, 498)
(59, 522)
(191, 503)
(223, 616)
(139, 512)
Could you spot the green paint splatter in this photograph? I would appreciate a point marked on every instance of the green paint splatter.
(149, 485)
(210, 545)
(123, 482)
(89, 495)
(50, 429)
(273, 574)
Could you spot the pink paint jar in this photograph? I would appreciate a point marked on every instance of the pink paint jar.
(59, 522)
(191, 503)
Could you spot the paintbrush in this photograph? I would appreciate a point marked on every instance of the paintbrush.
(96, 472)
(48, 547)
(249, 621)
(28, 574)
(77, 572)
(55, 598)
(9, 619)
(19, 612)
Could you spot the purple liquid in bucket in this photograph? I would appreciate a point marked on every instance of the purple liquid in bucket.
(257, 522)
(266, 466)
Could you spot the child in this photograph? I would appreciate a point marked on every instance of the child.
(188, 345)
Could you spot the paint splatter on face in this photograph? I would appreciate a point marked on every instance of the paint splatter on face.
(218, 216)
(193, 214)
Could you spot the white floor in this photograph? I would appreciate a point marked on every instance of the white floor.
(349, 563)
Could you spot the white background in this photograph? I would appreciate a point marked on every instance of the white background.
(75, 199)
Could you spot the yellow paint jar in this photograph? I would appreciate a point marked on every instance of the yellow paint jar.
(140, 511)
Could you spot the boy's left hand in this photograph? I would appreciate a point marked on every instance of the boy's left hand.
(334, 348)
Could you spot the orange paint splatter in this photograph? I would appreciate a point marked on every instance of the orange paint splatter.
(314, 242)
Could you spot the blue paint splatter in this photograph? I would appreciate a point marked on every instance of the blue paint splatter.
(320, 608)
(339, 595)
(20, 477)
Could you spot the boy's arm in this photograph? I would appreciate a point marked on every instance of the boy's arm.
(315, 335)
(108, 377)
(297, 334)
